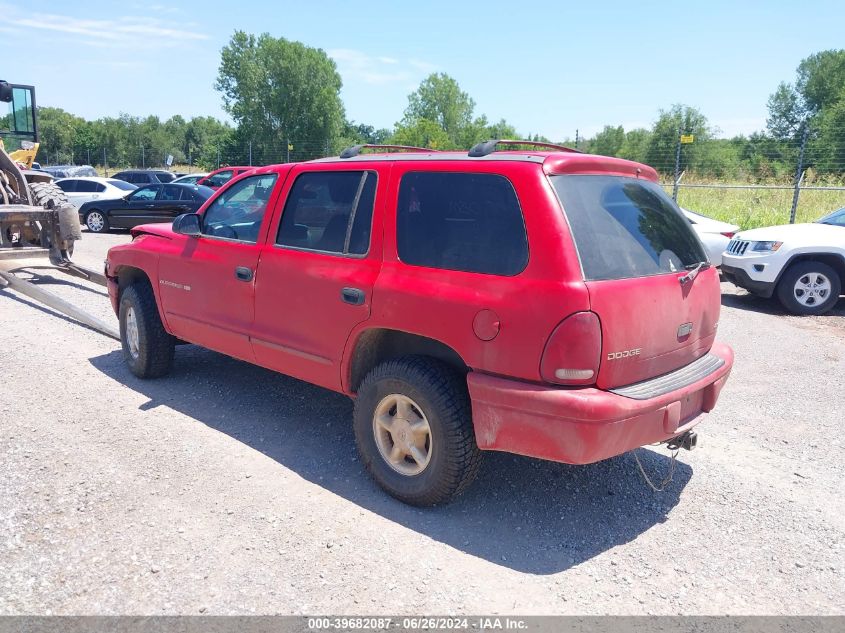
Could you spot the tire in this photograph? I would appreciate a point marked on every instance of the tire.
(809, 287)
(47, 195)
(147, 347)
(433, 394)
(97, 221)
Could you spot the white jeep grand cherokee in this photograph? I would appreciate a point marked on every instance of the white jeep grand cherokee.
(804, 264)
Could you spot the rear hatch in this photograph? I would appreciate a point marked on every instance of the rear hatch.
(635, 248)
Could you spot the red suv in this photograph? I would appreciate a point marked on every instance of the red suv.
(547, 303)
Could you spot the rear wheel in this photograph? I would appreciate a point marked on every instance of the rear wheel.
(147, 347)
(809, 287)
(414, 432)
(96, 221)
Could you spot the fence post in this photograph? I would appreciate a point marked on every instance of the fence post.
(287, 150)
(250, 153)
(218, 157)
(677, 167)
(89, 155)
(143, 159)
(105, 163)
(799, 174)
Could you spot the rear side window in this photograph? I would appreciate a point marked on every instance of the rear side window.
(170, 193)
(165, 176)
(625, 227)
(88, 186)
(330, 212)
(467, 222)
(67, 185)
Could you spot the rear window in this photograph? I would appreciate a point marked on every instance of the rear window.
(122, 184)
(459, 221)
(625, 227)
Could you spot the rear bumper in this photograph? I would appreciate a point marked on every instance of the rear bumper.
(581, 426)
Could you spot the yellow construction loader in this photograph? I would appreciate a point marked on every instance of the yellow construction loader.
(36, 219)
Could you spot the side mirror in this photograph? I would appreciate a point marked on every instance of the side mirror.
(5, 92)
(187, 224)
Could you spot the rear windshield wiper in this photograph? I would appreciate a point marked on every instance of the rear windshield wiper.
(693, 273)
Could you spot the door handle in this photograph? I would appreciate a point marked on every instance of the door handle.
(353, 296)
(242, 273)
(150, 206)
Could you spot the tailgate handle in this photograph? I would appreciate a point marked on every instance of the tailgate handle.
(353, 296)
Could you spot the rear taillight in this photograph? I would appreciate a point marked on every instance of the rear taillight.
(729, 234)
(573, 351)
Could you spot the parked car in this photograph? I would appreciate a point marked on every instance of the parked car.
(220, 177)
(142, 177)
(88, 188)
(803, 264)
(714, 234)
(69, 171)
(152, 203)
(460, 301)
(191, 179)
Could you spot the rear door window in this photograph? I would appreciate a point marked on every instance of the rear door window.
(330, 212)
(456, 221)
(68, 186)
(626, 227)
(88, 186)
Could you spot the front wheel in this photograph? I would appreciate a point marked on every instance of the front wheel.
(147, 347)
(414, 432)
(809, 287)
(96, 221)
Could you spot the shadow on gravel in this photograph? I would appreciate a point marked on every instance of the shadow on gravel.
(528, 515)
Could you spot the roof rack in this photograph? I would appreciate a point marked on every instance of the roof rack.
(488, 147)
(353, 151)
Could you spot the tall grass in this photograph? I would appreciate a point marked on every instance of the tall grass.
(752, 208)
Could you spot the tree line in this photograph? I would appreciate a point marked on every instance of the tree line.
(284, 99)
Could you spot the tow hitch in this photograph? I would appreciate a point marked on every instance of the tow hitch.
(687, 441)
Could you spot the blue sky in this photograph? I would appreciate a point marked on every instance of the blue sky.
(545, 67)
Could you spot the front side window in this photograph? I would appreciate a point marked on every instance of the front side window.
(461, 221)
(626, 227)
(238, 212)
(329, 212)
(145, 193)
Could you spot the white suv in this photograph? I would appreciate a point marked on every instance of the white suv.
(804, 264)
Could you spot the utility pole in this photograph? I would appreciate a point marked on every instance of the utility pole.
(799, 174)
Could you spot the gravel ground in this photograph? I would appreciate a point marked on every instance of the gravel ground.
(226, 488)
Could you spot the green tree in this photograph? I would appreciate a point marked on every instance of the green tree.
(440, 100)
(57, 131)
(818, 85)
(278, 90)
(422, 133)
(609, 141)
(662, 144)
